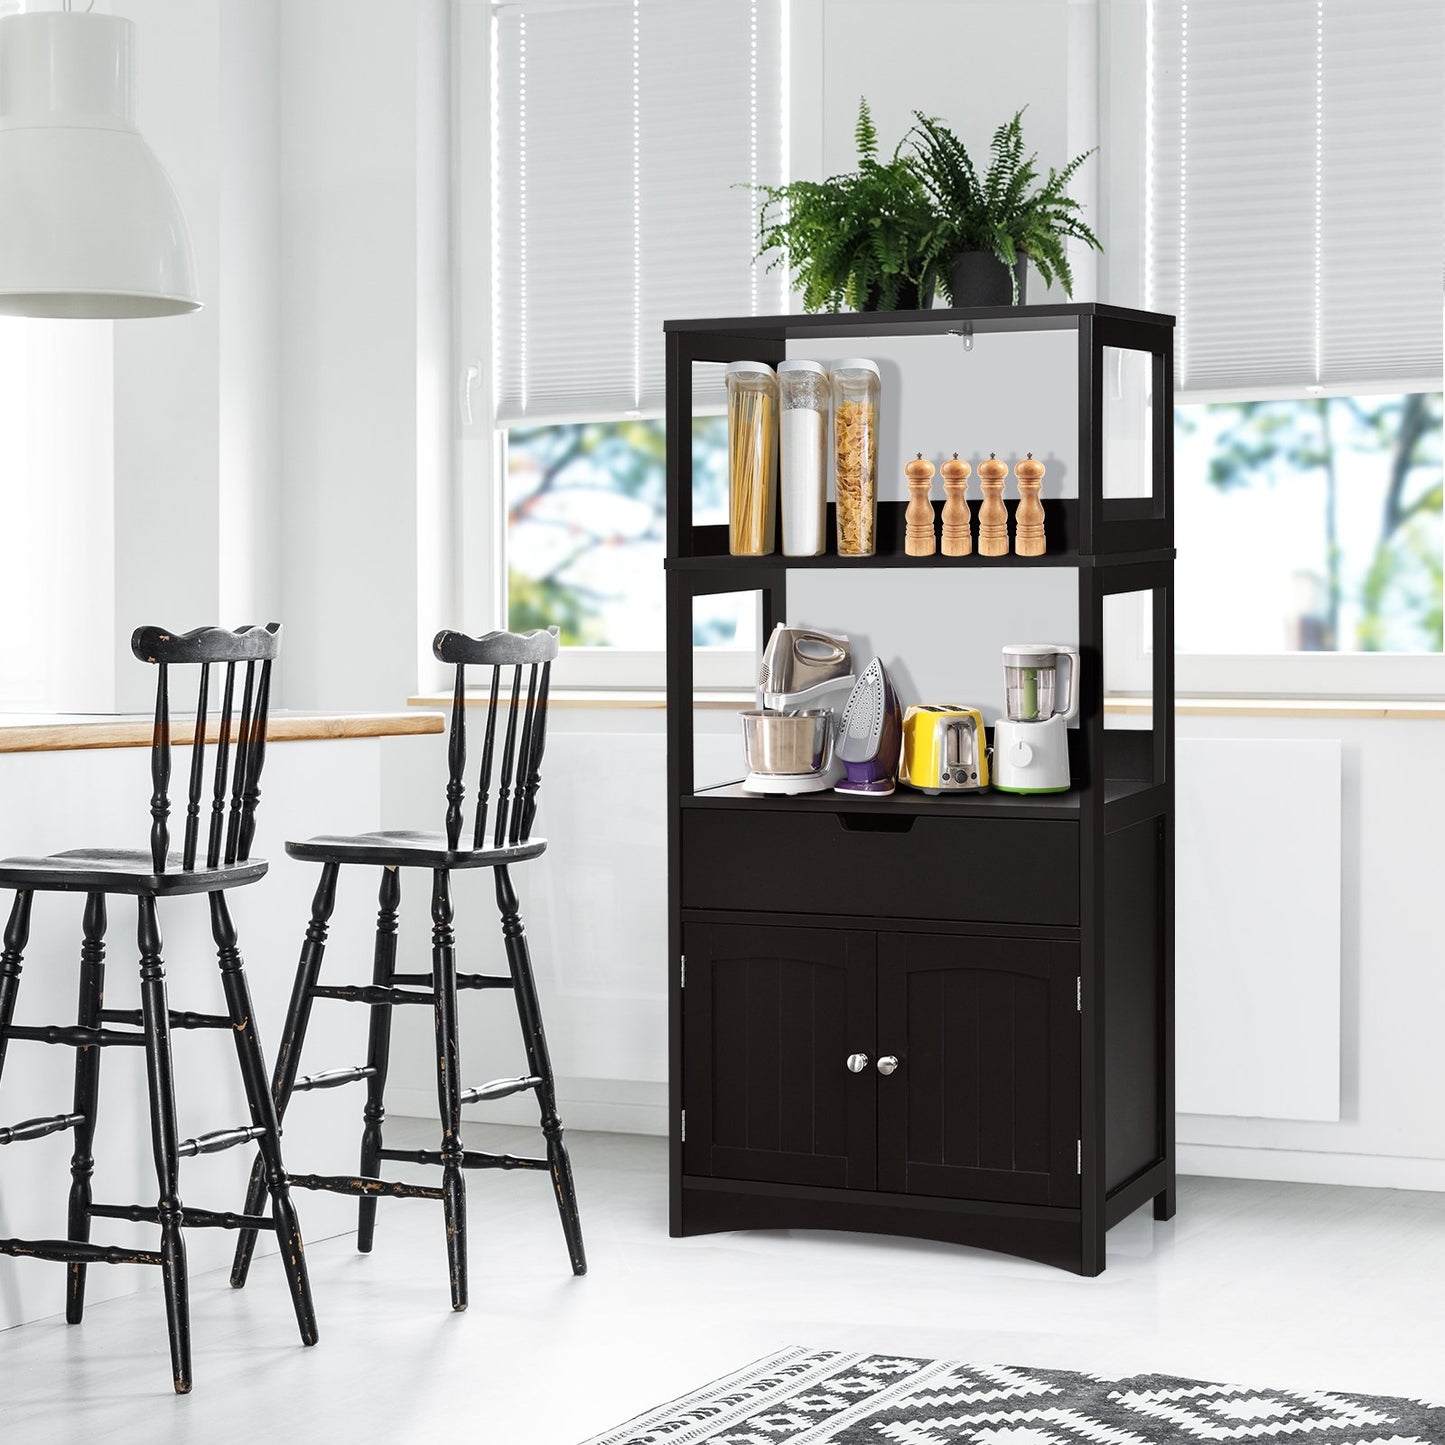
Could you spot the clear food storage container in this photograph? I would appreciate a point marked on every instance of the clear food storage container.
(752, 457)
(803, 460)
(856, 384)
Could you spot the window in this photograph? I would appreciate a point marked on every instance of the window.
(1287, 204)
(585, 523)
(627, 137)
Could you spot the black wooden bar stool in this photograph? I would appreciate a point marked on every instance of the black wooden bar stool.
(511, 842)
(146, 876)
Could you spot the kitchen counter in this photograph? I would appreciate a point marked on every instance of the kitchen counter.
(64, 732)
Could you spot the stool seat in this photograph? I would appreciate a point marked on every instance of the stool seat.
(404, 848)
(125, 871)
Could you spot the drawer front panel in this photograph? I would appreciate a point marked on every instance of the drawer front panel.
(964, 869)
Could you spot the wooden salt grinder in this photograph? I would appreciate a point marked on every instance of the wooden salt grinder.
(957, 523)
(918, 538)
(992, 515)
(1029, 519)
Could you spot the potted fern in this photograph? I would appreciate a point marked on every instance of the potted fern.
(989, 228)
(867, 239)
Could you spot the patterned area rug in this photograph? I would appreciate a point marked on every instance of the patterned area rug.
(829, 1397)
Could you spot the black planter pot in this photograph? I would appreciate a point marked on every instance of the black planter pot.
(979, 278)
(909, 298)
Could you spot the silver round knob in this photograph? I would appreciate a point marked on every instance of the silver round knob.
(887, 1064)
(857, 1063)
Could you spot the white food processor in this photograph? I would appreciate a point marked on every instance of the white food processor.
(1031, 742)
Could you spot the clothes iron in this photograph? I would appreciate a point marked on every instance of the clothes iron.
(870, 735)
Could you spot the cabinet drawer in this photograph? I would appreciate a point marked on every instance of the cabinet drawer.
(999, 870)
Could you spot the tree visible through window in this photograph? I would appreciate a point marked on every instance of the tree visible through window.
(1310, 525)
(586, 513)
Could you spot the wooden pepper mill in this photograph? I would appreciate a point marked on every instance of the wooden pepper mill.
(918, 539)
(992, 515)
(1029, 519)
(957, 523)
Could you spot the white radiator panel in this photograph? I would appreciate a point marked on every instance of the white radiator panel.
(1258, 928)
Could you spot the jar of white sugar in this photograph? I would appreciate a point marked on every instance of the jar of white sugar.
(804, 394)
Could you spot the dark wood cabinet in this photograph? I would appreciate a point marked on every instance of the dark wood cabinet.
(771, 1017)
(854, 1043)
(984, 1102)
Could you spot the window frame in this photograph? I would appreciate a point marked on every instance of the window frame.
(481, 451)
(1123, 128)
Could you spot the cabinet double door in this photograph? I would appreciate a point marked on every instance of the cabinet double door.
(912, 1063)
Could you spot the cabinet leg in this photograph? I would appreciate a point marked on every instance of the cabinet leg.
(1166, 1199)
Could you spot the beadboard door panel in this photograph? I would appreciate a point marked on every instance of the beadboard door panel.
(771, 1018)
(984, 1103)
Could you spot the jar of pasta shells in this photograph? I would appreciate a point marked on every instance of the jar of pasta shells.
(752, 457)
(856, 384)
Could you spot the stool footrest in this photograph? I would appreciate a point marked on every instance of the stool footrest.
(179, 1019)
(72, 1036)
(217, 1140)
(471, 1159)
(464, 980)
(372, 993)
(194, 1218)
(366, 1188)
(39, 1128)
(498, 1089)
(333, 1078)
(73, 1251)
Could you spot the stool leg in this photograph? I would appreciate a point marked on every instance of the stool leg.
(17, 935)
(263, 1113)
(378, 1049)
(87, 1093)
(288, 1058)
(155, 1018)
(539, 1063)
(449, 1088)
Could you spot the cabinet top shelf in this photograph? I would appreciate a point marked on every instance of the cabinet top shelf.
(939, 321)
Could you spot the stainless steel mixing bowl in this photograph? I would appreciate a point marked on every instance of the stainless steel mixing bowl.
(787, 744)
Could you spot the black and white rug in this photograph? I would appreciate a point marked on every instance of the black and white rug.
(831, 1397)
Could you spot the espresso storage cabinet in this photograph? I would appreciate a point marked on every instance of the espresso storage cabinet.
(858, 1039)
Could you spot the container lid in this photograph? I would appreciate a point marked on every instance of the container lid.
(816, 367)
(856, 363)
(748, 368)
(1030, 654)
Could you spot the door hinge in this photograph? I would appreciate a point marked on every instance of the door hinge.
(1079, 993)
(684, 1127)
(1079, 1158)
(682, 971)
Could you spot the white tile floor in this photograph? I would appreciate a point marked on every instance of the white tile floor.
(1279, 1284)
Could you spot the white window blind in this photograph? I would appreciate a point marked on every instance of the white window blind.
(1295, 217)
(627, 134)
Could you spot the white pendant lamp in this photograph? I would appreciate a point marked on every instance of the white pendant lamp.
(89, 221)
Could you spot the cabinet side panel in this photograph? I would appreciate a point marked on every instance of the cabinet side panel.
(1133, 960)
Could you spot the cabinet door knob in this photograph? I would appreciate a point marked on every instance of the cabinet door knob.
(887, 1064)
(857, 1063)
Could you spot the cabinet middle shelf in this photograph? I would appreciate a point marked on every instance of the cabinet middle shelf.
(905, 803)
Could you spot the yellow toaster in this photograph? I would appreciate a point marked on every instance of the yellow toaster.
(944, 749)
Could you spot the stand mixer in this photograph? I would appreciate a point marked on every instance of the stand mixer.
(804, 680)
(1031, 743)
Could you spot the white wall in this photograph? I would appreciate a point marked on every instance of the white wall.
(366, 359)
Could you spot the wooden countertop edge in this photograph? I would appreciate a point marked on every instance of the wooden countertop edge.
(59, 735)
(646, 699)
